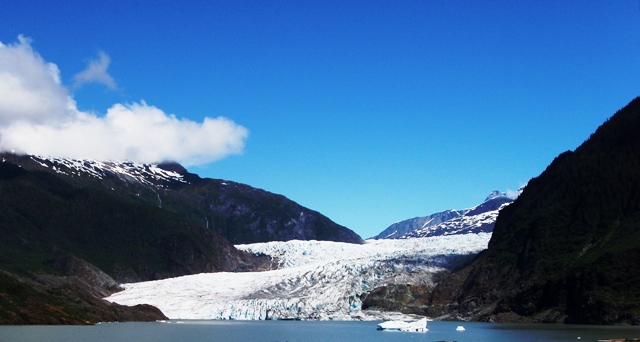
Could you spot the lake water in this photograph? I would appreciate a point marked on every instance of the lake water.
(293, 331)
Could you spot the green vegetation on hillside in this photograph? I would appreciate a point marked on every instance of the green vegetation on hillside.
(238, 212)
(567, 248)
(583, 210)
(44, 216)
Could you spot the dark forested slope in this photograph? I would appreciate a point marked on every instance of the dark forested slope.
(44, 216)
(238, 212)
(568, 249)
(57, 238)
(128, 222)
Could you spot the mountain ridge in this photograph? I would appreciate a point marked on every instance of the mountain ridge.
(566, 250)
(131, 221)
(239, 212)
(480, 218)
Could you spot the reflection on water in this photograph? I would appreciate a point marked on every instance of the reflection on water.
(291, 331)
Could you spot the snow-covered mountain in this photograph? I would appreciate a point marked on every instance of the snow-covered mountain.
(239, 212)
(314, 280)
(156, 175)
(399, 229)
(480, 218)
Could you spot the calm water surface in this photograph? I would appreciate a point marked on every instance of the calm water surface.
(293, 331)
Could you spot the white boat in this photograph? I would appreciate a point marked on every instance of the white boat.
(417, 326)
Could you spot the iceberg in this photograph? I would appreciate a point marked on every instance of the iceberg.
(417, 326)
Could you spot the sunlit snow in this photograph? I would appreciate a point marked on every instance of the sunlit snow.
(315, 280)
(147, 174)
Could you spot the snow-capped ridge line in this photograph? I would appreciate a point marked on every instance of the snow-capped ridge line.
(480, 218)
(495, 194)
(146, 174)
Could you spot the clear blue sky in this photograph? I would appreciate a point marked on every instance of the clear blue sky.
(369, 112)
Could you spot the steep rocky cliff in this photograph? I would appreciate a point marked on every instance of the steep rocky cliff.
(72, 297)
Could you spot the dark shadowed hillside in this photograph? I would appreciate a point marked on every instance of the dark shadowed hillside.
(238, 212)
(56, 239)
(567, 250)
(44, 216)
(70, 227)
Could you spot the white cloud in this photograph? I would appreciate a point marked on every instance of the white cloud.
(96, 72)
(38, 116)
(514, 194)
(30, 87)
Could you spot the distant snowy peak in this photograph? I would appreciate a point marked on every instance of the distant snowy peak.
(473, 222)
(157, 175)
(509, 194)
(401, 228)
(495, 194)
(478, 219)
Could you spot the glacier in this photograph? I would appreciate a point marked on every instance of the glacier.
(314, 280)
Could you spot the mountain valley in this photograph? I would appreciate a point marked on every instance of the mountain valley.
(566, 250)
(133, 222)
(76, 231)
(314, 280)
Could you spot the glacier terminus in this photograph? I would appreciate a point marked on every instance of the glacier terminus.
(314, 280)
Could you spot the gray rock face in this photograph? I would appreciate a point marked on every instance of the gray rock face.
(243, 214)
(93, 279)
(393, 297)
(51, 299)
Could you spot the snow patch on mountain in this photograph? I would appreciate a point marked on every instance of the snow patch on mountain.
(480, 218)
(495, 194)
(482, 222)
(317, 280)
(401, 228)
(146, 174)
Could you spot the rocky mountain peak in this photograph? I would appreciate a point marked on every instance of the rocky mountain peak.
(495, 194)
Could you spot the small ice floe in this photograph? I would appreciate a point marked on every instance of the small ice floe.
(460, 328)
(417, 326)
